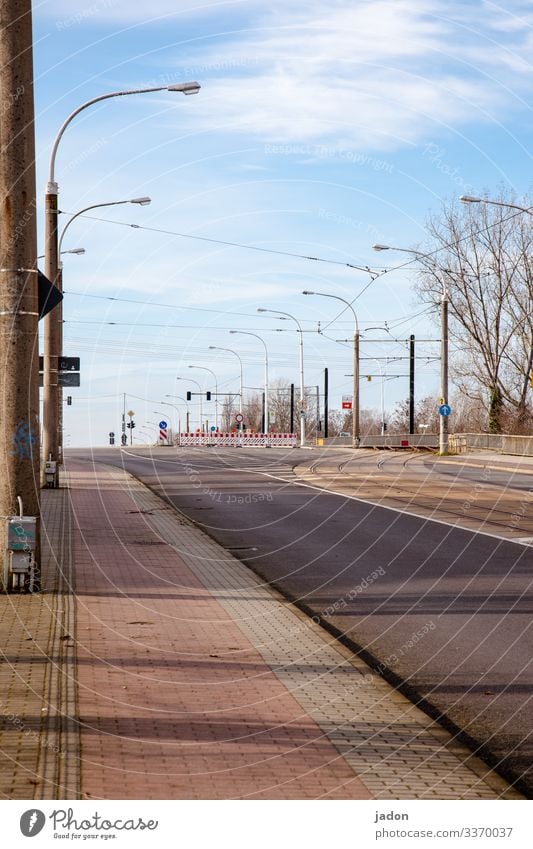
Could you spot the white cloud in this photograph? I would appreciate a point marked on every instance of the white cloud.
(379, 73)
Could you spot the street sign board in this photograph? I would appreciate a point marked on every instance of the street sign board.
(67, 378)
(69, 363)
(131, 413)
(347, 402)
(163, 425)
(64, 363)
(213, 428)
(445, 409)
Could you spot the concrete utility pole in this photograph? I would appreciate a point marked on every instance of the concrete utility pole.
(19, 311)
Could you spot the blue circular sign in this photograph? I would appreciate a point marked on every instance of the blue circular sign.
(163, 425)
(445, 409)
(213, 428)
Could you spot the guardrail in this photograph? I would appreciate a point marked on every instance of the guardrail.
(458, 442)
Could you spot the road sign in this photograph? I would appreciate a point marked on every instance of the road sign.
(347, 402)
(445, 409)
(163, 434)
(68, 363)
(68, 378)
(239, 418)
(131, 413)
(163, 425)
(213, 429)
(111, 434)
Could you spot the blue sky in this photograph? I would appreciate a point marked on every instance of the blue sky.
(321, 128)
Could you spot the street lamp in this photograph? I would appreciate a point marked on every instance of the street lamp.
(443, 420)
(144, 201)
(53, 322)
(231, 351)
(355, 414)
(200, 388)
(247, 333)
(302, 385)
(52, 395)
(469, 199)
(180, 398)
(204, 368)
(78, 251)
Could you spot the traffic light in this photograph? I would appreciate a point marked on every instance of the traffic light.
(208, 396)
(69, 400)
(384, 427)
(189, 396)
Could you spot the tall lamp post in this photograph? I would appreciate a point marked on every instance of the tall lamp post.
(443, 420)
(247, 333)
(180, 398)
(53, 398)
(200, 388)
(231, 351)
(204, 368)
(355, 415)
(302, 384)
(52, 323)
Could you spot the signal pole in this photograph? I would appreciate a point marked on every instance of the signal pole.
(19, 310)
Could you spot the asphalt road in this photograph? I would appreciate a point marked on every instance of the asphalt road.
(447, 611)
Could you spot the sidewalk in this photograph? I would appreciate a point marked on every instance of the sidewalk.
(181, 676)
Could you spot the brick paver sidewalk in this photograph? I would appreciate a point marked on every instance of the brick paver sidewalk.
(181, 676)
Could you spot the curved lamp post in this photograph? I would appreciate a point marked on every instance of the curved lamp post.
(204, 368)
(231, 351)
(355, 414)
(200, 388)
(247, 333)
(302, 385)
(443, 423)
(52, 323)
(187, 415)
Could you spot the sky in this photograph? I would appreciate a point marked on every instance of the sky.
(320, 129)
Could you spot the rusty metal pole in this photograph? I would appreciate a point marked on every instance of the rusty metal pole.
(19, 368)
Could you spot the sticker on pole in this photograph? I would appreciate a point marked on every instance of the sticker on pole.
(239, 418)
(445, 409)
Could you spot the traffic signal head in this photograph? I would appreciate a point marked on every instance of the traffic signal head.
(69, 400)
(189, 396)
(208, 396)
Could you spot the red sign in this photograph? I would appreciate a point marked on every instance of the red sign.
(346, 402)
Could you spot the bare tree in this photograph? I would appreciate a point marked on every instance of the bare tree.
(253, 412)
(481, 254)
(279, 402)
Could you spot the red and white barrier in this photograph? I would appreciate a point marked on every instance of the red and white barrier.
(239, 440)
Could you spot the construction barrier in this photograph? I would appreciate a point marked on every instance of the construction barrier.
(239, 440)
